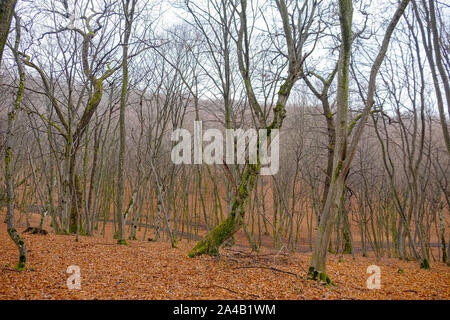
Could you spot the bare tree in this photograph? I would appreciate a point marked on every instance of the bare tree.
(128, 10)
(294, 58)
(6, 13)
(10, 195)
(343, 155)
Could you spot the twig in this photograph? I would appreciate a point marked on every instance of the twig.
(273, 269)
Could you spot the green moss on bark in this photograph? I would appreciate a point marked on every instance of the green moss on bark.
(315, 275)
(122, 242)
(425, 264)
(21, 264)
(210, 245)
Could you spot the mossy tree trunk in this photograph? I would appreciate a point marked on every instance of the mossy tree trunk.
(74, 132)
(91, 209)
(317, 270)
(134, 220)
(225, 230)
(9, 181)
(76, 205)
(344, 154)
(346, 233)
(128, 11)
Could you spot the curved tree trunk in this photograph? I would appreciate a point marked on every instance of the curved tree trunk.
(6, 13)
(226, 229)
(337, 183)
(233, 223)
(10, 196)
(343, 157)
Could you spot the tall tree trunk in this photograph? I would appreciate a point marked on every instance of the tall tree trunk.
(10, 196)
(337, 183)
(442, 229)
(234, 221)
(342, 156)
(6, 13)
(428, 39)
(128, 12)
(437, 52)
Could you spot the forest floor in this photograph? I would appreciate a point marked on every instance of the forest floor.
(150, 270)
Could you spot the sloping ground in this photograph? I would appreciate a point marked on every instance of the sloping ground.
(148, 270)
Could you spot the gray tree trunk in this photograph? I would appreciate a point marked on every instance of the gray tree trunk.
(6, 13)
(10, 196)
(343, 155)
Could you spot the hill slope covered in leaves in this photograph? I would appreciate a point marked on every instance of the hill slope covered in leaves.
(149, 270)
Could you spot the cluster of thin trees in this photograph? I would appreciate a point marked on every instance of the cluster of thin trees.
(92, 91)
